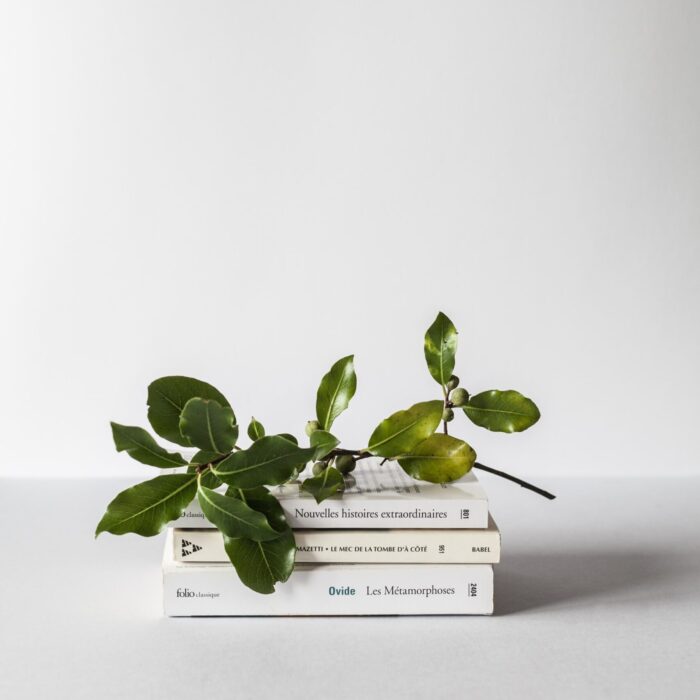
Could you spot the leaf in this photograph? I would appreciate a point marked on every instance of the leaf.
(301, 467)
(263, 501)
(257, 492)
(335, 391)
(290, 437)
(502, 411)
(167, 397)
(401, 431)
(438, 459)
(255, 430)
(211, 481)
(209, 425)
(260, 565)
(140, 445)
(269, 461)
(233, 517)
(148, 507)
(328, 483)
(323, 442)
(204, 457)
(440, 348)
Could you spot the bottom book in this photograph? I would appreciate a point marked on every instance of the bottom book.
(191, 589)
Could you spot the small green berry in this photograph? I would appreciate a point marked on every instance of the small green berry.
(312, 426)
(459, 397)
(318, 468)
(344, 464)
(452, 382)
(448, 414)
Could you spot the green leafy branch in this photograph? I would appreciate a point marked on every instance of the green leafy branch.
(258, 540)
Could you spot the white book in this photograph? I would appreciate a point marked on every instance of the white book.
(362, 546)
(329, 589)
(378, 496)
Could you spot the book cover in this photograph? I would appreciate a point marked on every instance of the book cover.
(362, 546)
(329, 589)
(377, 496)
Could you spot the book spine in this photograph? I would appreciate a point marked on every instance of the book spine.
(361, 546)
(342, 514)
(333, 589)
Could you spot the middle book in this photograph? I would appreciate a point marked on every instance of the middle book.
(452, 546)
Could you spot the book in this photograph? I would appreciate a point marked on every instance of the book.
(377, 496)
(191, 590)
(362, 546)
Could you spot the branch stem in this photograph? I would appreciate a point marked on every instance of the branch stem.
(358, 454)
(201, 468)
(446, 404)
(364, 454)
(515, 479)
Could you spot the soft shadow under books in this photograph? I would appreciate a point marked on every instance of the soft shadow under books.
(530, 580)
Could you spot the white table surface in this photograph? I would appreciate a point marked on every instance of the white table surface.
(598, 596)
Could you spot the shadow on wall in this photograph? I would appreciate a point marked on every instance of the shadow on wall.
(567, 579)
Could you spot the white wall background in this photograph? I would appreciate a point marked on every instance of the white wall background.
(246, 191)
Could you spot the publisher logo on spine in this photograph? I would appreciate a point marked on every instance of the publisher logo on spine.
(189, 593)
(189, 548)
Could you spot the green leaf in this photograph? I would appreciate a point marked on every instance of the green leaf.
(263, 501)
(323, 442)
(211, 481)
(257, 492)
(167, 397)
(290, 437)
(440, 348)
(328, 483)
(139, 444)
(401, 431)
(270, 461)
(301, 467)
(233, 517)
(439, 459)
(209, 425)
(260, 565)
(335, 391)
(204, 457)
(255, 430)
(502, 411)
(148, 507)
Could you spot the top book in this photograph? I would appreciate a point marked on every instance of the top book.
(377, 495)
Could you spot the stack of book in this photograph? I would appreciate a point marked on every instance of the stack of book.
(389, 546)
